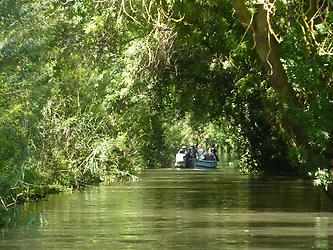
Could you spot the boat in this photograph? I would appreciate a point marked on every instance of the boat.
(183, 160)
(192, 162)
(205, 164)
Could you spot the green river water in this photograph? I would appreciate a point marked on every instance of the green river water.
(181, 209)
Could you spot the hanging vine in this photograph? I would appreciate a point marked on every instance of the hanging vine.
(159, 16)
(316, 22)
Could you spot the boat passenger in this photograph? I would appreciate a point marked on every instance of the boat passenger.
(193, 152)
(209, 156)
(182, 156)
(201, 152)
(182, 150)
(214, 151)
(187, 158)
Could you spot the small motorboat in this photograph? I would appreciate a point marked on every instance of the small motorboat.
(203, 160)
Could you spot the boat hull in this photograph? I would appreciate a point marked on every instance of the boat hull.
(205, 164)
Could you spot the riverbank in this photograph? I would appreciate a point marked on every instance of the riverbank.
(12, 197)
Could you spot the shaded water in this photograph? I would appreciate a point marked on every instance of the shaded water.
(181, 209)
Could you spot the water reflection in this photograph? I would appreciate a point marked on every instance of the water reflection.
(322, 236)
(182, 209)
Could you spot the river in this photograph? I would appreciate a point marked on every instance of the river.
(181, 209)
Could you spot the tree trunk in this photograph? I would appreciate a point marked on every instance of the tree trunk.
(267, 50)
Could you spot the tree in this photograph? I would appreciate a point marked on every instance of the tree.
(303, 107)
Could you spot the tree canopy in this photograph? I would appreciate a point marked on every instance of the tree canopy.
(90, 89)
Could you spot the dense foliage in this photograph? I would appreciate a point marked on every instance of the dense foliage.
(96, 90)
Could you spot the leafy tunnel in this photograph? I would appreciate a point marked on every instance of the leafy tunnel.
(95, 90)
